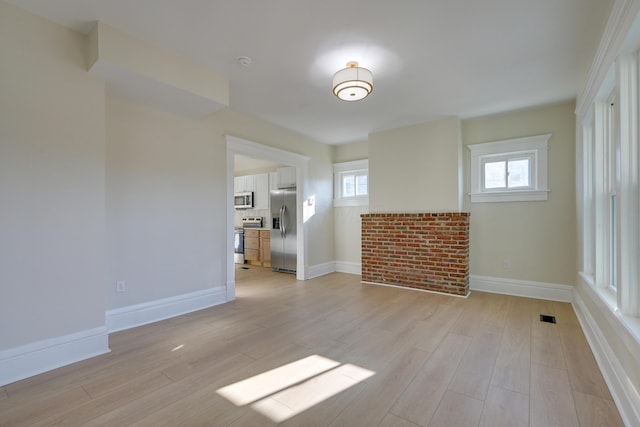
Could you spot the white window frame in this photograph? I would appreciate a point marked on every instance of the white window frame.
(532, 147)
(340, 170)
(611, 154)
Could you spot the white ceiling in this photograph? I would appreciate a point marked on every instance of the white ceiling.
(429, 58)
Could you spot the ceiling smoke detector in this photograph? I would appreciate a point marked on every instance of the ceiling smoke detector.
(245, 61)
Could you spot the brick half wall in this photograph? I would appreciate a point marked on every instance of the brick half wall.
(428, 251)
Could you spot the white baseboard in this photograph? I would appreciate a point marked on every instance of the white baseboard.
(140, 314)
(627, 398)
(320, 270)
(349, 267)
(231, 290)
(331, 267)
(32, 359)
(521, 288)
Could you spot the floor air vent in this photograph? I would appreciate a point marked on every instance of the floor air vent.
(547, 319)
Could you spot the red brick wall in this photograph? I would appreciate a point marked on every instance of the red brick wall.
(417, 250)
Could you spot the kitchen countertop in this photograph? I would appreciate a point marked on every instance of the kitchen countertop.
(259, 229)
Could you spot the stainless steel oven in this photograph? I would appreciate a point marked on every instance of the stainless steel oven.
(238, 234)
(238, 245)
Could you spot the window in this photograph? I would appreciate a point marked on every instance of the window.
(611, 202)
(507, 172)
(351, 183)
(612, 150)
(511, 170)
(354, 184)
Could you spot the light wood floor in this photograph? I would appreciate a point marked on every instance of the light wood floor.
(332, 352)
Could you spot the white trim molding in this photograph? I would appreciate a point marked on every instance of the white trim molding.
(244, 147)
(320, 269)
(612, 43)
(522, 288)
(32, 359)
(535, 148)
(153, 311)
(335, 267)
(625, 395)
(349, 267)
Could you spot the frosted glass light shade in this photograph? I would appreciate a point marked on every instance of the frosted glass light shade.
(352, 83)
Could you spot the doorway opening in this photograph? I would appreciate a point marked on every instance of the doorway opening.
(241, 147)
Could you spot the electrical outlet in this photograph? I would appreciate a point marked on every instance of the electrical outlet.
(120, 286)
(506, 264)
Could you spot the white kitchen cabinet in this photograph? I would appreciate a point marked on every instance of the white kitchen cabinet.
(286, 177)
(261, 192)
(244, 183)
(273, 181)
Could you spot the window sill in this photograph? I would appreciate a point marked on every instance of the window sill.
(510, 196)
(608, 300)
(351, 201)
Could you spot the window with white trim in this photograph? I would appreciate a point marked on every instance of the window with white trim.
(611, 212)
(509, 171)
(351, 183)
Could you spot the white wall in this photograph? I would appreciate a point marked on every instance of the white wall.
(52, 183)
(166, 210)
(350, 152)
(416, 168)
(537, 239)
(348, 234)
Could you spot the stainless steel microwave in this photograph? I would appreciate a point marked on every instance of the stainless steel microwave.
(243, 200)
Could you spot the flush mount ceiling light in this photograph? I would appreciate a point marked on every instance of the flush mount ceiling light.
(352, 83)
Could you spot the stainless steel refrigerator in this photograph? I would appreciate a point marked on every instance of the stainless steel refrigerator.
(283, 230)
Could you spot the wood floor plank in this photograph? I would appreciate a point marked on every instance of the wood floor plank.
(324, 413)
(155, 400)
(595, 412)
(546, 348)
(378, 393)
(83, 413)
(565, 315)
(28, 413)
(475, 370)
(581, 364)
(171, 372)
(394, 421)
(427, 333)
(551, 399)
(202, 408)
(512, 368)
(505, 408)
(456, 409)
(497, 308)
(58, 380)
(421, 398)
(471, 317)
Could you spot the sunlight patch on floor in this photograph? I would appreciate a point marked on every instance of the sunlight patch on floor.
(283, 392)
